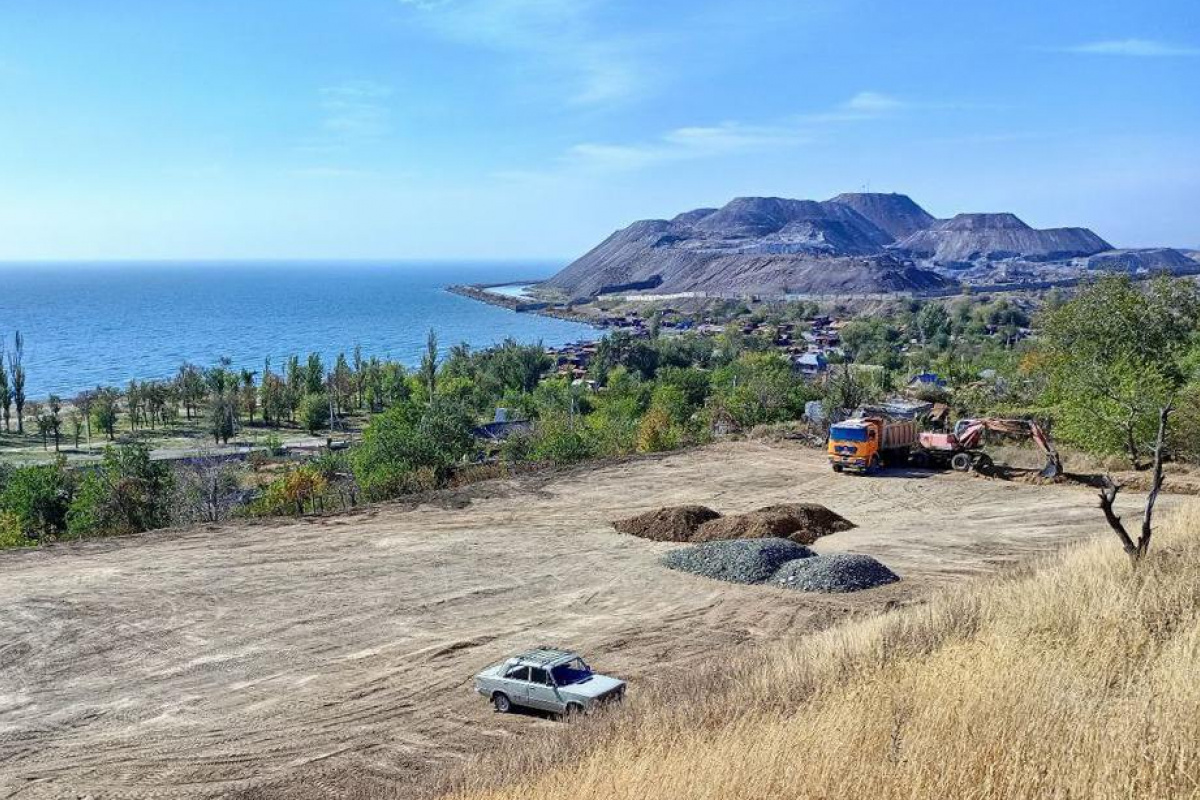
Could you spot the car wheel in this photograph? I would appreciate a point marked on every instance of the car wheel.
(571, 712)
(501, 702)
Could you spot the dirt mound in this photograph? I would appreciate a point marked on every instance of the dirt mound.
(670, 524)
(738, 561)
(802, 523)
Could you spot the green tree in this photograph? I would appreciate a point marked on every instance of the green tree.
(408, 438)
(105, 410)
(1115, 356)
(38, 497)
(314, 411)
(5, 389)
(222, 414)
(429, 364)
(191, 388)
(129, 493)
(16, 377)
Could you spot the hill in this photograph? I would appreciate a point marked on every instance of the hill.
(853, 243)
(757, 245)
(969, 238)
(895, 213)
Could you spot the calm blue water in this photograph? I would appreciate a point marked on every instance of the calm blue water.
(103, 324)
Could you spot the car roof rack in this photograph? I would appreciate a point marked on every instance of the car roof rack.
(544, 656)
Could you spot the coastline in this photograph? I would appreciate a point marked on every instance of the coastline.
(479, 292)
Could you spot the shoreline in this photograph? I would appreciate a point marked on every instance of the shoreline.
(479, 292)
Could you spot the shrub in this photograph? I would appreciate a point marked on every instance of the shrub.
(314, 412)
(11, 534)
(406, 438)
(655, 433)
(293, 492)
(128, 493)
(38, 497)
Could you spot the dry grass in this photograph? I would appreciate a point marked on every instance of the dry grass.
(1079, 678)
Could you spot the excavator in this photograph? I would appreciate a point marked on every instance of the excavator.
(961, 450)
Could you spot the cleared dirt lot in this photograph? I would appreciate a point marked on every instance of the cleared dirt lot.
(293, 659)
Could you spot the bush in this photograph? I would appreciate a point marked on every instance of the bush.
(557, 439)
(292, 493)
(314, 412)
(11, 534)
(406, 438)
(38, 497)
(128, 493)
(655, 433)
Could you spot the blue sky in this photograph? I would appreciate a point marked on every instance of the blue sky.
(533, 128)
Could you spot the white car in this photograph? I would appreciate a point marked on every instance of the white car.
(558, 681)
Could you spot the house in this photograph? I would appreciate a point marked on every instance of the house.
(810, 363)
(927, 379)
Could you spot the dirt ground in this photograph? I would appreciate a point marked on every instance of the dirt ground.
(300, 658)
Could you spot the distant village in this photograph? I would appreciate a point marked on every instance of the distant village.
(809, 345)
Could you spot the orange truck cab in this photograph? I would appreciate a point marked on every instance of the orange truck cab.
(865, 444)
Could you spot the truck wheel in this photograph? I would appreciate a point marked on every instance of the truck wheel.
(837, 467)
(875, 464)
(920, 460)
(961, 462)
(573, 711)
(501, 702)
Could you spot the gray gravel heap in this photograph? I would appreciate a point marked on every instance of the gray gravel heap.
(836, 572)
(737, 561)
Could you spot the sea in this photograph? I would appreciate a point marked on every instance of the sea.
(103, 324)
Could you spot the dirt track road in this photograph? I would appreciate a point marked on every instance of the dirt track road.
(300, 657)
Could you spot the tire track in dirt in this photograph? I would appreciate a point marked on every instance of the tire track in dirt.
(303, 659)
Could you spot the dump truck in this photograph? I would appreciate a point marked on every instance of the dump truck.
(866, 444)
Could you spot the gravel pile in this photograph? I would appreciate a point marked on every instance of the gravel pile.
(737, 561)
(802, 523)
(670, 524)
(836, 572)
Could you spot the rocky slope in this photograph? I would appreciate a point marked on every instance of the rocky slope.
(850, 244)
(755, 245)
(969, 238)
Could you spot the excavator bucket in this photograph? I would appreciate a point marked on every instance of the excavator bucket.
(1053, 467)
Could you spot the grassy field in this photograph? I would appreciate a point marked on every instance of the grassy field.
(1077, 679)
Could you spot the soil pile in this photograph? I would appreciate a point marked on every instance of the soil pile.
(738, 561)
(836, 572)
(670, 524)
(802, 523)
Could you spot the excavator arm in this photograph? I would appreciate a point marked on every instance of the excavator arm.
(970, 435)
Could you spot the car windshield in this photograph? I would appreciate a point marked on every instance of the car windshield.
(572, 672)
(848, 433)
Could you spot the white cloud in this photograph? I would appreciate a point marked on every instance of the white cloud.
(684, 144)
(356, 110)
(561, 41)
(1144, 48)
(697, 142)
(873, 103)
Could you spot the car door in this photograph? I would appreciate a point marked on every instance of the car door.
(516, 685)
(543, 693)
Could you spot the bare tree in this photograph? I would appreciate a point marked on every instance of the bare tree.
(1108, 495)
(207, 489)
